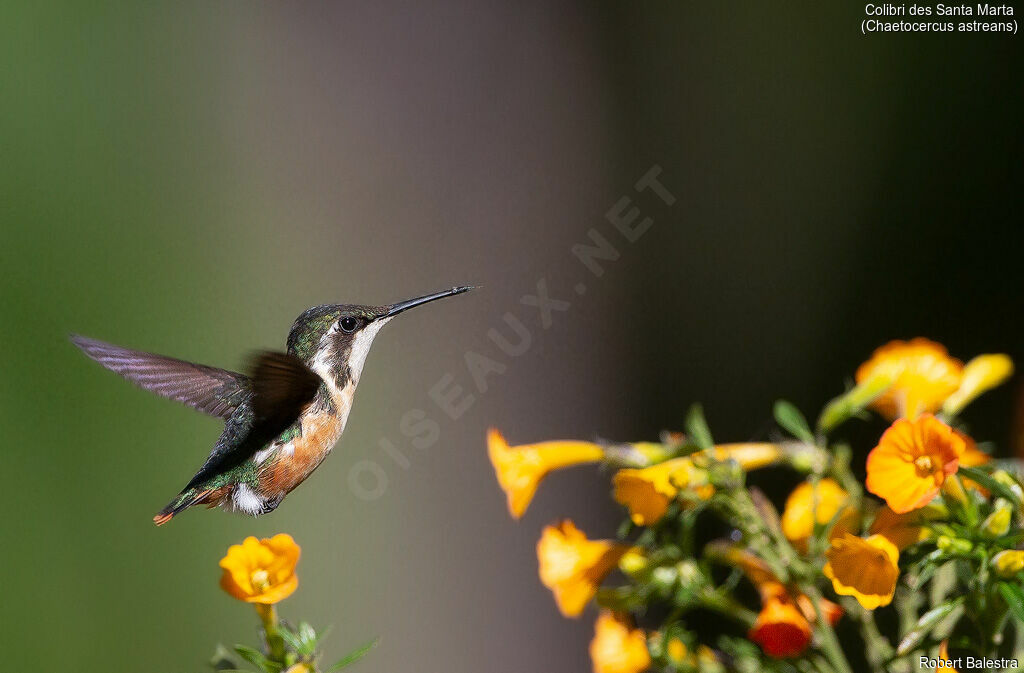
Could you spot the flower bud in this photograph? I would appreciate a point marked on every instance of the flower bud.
(633, 562)
(952, 545)
(1008, 563)
(953, 490)
(1008, 480)
(998, 522)
(980, 374)
(664, 577)
(652, 451)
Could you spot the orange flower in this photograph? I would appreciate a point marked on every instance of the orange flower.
(520, 469)
(923, 375)
(647, 492)
(573, 567)
(617, 648)
(911, 462)
(261, 571)
(865, 569)
(781, 629)
(749, 455)
(902, 530)
(800, 515)
(832, 611)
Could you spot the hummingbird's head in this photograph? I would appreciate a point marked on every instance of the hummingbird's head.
(335, 338)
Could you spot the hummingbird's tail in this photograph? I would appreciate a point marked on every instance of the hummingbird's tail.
(184, 500)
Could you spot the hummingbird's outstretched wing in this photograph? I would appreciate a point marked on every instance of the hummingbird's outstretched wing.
(281, 386)
(217, 392)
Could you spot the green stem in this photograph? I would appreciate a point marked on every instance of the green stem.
(275, 643)
(878, 648)
(728, 607)
(827, 640)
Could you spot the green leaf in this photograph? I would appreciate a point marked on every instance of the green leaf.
(1013, 594)
(256, 658)
(697, 428)
(354, 656)
(290, 639)
(925, 624)
(991, 483)
(789, 417)
(222, 660)
(851, 403)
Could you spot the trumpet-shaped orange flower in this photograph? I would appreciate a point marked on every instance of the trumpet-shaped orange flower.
(261, 571)
(982, 373)
(800, 515)
(617, 648)
(781, 628)
(749, 455)
(923, 375)
(902, 530)
(647, 492)
(520, 469)
(912, 460)
(865, 569)
(573, 567)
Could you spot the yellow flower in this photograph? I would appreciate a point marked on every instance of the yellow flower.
(911, 462)
(980, 374)
(781, 629)
(617, 648)
(865, 569)
(520, 469)
(573, 567)
(1008, 563)
(261, 571)
(300, 668)
(902, 530)
(923, 375)
(800, 515)
(647, 492)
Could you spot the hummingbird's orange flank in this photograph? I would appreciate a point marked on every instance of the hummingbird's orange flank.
(281, 420)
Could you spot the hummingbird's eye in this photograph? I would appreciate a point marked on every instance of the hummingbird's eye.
(348, 324)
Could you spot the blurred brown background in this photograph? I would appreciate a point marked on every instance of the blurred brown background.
(187, 177)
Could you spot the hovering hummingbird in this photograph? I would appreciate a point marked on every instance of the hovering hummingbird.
(281, 420)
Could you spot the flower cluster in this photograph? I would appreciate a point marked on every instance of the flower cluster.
(262, 572)
(878, 557)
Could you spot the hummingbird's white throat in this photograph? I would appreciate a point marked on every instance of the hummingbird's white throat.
(361, 347)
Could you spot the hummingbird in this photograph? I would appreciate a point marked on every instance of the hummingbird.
(282, 419)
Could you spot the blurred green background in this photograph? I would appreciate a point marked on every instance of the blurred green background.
(187, 177)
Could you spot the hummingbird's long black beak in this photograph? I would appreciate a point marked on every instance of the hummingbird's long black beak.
(395, 309)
